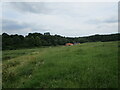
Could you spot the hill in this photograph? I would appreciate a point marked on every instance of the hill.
(88, 65)
(10, 42)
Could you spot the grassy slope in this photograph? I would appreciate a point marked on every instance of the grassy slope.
(89, 65)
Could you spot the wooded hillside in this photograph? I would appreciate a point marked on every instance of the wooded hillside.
(37, 39)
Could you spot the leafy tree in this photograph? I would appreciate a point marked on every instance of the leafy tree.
(38, 39)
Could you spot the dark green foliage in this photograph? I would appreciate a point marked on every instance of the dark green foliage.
(10, 42)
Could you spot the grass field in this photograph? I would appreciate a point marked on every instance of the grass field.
(88, 65)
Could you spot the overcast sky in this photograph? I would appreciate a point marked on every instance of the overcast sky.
(72, 19)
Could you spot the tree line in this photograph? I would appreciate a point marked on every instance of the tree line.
(10, 42)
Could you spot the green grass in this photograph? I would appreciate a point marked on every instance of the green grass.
(88, 65)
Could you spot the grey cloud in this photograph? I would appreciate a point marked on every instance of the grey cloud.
(55, 17)
(31, 7)
(13, 25)
(110, 20)
(45, 8)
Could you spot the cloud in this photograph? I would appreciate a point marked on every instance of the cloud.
(13, 25)
(100, 20)
(64, 18)
(21, 27)
(111, 21)
(31, 7)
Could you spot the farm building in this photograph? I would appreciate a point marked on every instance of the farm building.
(69, 44)
(76, 43)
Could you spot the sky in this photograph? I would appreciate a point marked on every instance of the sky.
(70, 19)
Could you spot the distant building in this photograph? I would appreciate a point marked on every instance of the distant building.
(69, 44)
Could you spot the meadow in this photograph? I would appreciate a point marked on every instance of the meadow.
(88, 65)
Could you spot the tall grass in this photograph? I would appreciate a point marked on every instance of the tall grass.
(89, 65)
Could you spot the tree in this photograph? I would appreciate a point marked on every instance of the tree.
(38, 39)
(47, 33)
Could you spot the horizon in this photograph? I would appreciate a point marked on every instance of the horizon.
(61, 35)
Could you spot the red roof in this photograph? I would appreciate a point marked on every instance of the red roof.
(68, 44)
